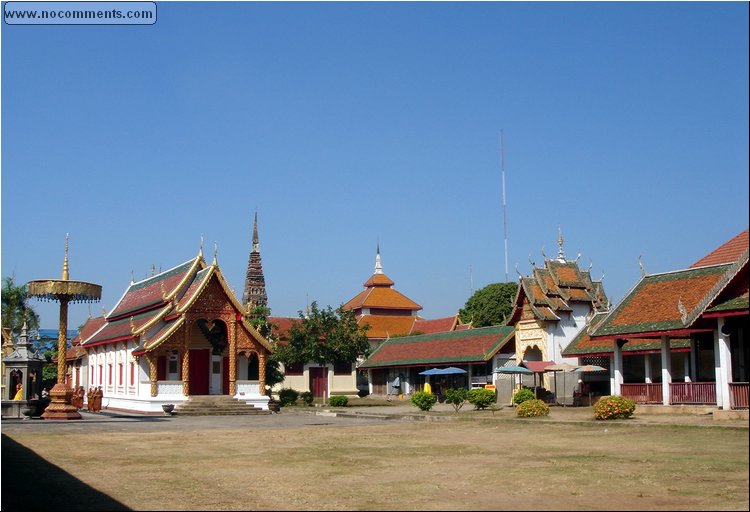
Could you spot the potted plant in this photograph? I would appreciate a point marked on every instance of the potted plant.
(167, 408)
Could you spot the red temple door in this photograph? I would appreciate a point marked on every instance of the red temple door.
(200, 359)
(319, 381)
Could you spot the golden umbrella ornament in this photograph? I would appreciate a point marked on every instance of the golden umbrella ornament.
(65, 292)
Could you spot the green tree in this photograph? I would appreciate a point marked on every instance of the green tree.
(490, 305)
(14, 307)
(325, 336)
(258, 317)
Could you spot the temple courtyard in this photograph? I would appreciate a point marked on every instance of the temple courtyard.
(376, 458)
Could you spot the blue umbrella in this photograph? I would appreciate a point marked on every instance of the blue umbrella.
(431, 371)
(451, 370)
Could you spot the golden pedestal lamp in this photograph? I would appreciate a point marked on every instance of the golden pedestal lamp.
(65, 292)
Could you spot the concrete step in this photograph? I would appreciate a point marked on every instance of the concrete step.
(216, 405)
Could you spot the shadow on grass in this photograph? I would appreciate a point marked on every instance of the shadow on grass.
(31, 483)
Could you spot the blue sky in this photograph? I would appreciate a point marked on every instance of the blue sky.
(345, 124)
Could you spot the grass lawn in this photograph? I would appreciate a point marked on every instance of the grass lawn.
(390, 465)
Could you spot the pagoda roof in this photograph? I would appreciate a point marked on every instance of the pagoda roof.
(382, 298)
(464, 346)
(552, 289)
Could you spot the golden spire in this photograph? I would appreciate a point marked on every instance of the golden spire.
(66, 271)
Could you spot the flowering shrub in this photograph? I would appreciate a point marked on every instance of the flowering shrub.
(532, 408)
(423, 400)
(481, 398)
(522, 395)
(613, 408)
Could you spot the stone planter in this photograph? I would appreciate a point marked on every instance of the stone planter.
(168, 409)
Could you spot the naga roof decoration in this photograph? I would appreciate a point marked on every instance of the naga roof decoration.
(151, 310)
(464, 346)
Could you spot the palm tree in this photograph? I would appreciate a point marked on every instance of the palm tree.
(15, 311)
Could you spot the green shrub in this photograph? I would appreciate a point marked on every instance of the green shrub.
(423, 400)
(338, 401)
(456, 397)
(522, 395)
(481, 398)
(307, 397)
(288, 396)
(532, 408)
(613, 408)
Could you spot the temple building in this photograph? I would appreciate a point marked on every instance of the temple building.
(680, 337)
(552, 306)
(173, 336)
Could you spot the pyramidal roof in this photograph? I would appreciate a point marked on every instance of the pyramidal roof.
(379, 293)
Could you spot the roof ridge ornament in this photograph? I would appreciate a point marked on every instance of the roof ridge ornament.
(543, 254)
(216, 254)
(200, 250)
(643, 269)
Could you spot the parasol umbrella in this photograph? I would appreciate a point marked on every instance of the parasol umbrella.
(431, 371)
(515, 370)
(590, 368)
(560, 367)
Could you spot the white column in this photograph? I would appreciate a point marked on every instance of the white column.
(694, 358)
(666, 369)
(617, 368)
(686, 362)
(723, 365)
(470, 373)
(647, 368)
(369, 382)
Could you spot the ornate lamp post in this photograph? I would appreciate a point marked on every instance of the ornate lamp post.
(65, 292)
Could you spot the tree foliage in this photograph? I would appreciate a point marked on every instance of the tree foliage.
(325, 336)
(258, 317)
(14, 307)
(490, 305)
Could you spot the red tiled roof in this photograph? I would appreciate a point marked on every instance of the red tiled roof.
(472, 345)
(282, 324)
(728, 252)
(89, 327)
(435, 325)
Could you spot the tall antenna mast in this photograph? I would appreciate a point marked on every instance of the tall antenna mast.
(505, 224)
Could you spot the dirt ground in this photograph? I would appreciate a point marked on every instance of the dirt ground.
(301, 461)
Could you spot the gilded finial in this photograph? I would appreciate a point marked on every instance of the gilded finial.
(531, 261)
(132, 325)
(216, 253)
(200, 251)
(132, 277)
(560, 241)
(153, 269)
(163, 290)
(544, 255)
(66, 270)
(518, 272)
(104, 311)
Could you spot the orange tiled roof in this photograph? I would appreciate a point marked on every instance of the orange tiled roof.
(383, 326)
(88, 328)
(379, 280)
(654, 304)
(383, 298)
(727, 253)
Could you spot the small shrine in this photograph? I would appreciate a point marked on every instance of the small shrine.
(23, 380)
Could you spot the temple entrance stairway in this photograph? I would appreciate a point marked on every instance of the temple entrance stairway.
(215, 405)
